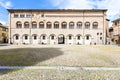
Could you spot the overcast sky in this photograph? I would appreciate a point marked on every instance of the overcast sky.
(113, 6)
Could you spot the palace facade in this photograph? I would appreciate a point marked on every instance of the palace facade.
(62, 26)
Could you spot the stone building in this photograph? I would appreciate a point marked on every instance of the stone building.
(116, 31)
(3, 34)
(62, 26)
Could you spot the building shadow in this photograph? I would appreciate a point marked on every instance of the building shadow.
(26, 57)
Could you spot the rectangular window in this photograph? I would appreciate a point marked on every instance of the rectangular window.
(15, 15)
(3, 34)
(22, 15)
(42, 15)
(97, 33)
(28, 16)
(3, 29)
(26, 37)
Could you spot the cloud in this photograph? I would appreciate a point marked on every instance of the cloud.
(73, 4)
(5, 4)
(113, 6)
(3, 13)
(3, 22)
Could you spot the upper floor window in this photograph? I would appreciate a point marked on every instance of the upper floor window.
(64, 25)
(56, 25)
(79, 25)
(115, 23)
(26, 25)
(49, 25)
(28, 16)
(3, 29)
(71, 25)
(16, 15)
(22, 15)
(41, 25)
(3, 34)
(34, 25)
(18, 24)
(87, 25)
(95, 25)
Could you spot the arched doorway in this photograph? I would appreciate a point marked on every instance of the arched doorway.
(79, 39)
(16, 38)
(70, 39)
(88, 39)
(52, 39)
(61, 39)
(43, 39)
(34, 39)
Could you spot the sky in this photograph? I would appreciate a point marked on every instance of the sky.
(113, 6)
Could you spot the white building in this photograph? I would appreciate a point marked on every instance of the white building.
(35, 26)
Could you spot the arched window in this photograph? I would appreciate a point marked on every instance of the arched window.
(87, 25)
(26, 25)
(95, 25)
(78, 37)
(34, 25)
(18, 24)
(16, 36)
(56, 25)
(49, 25)
(64, 25)
(71, 25)
(79, 25)
(41, 25)
(34, 37)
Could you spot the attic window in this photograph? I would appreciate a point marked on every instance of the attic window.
(42, 15)
(15, 15)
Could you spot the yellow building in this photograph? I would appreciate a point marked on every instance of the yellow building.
(3, 34)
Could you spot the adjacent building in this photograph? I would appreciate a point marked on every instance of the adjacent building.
(62, 26)
(116, 31)
(3, 34)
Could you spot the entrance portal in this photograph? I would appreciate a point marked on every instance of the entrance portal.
(61, 39)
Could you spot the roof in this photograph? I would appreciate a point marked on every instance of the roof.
(53, 10)
(3, 26)
(116, 20)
